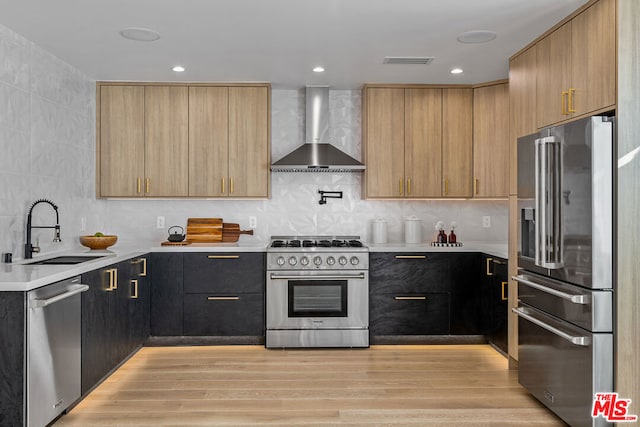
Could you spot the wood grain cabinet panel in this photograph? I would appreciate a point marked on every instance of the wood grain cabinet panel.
(12, 358)
(407, 273)
(166, 294)
(553, 76)
(457, 142)
(224, 273)
(465, 271)
(208, 141)
(121, 141)
(415, 314)
(239, 314)
(491, 141)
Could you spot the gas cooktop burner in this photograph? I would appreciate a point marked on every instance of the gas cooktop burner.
(317, 243)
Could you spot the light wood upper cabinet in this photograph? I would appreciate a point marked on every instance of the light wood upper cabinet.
(457, 142)
(208, 141)
(491, 141)
(121, 141)
(166, 147)
(249, 155)
(384, 134)
(423, 142)
(576, 66)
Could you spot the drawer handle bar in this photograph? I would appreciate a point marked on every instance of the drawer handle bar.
(39, 303)
(411, 257)
(142, 261)
(324, 277)
(223, 298)
(223, 256)
(410, 298)
(576, 299)
(582, 341)
(134, 282)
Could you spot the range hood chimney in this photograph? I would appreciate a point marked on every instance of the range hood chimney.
(317, 155)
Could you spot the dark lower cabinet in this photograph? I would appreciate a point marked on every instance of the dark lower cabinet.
(12, 357)
(167, 294)
(228, 315)
(426, 314)
(494, 304)
(466, 293)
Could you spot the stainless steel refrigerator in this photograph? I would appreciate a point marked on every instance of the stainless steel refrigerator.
(566, 259)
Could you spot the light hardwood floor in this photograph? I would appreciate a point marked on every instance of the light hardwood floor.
(247, 386)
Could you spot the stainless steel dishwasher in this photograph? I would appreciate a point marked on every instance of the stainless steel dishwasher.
(53, 350)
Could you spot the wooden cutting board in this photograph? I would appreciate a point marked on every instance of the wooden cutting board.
(204, 230)
(231, 232)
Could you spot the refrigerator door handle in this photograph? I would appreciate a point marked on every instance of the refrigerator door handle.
(576, 299)
(548, 192)
(581, 341)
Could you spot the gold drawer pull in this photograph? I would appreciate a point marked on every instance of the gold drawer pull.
(223, 256)
(113, 279)
(134, 282)
(446, 187)
(400, 187)
(565, 95)
(142, 261)
(223, 298)
(147, 184)
(504, 298)
(421, 298)
(230, 185)
(408, 185)
(570, 95)
(489, 272)
(475, 186)
(411, 257)
(222, 187)
(139, 185)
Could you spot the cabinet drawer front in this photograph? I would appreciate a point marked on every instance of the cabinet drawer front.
(224, 272)
(224, 314)
(407, 273)
(424, 314)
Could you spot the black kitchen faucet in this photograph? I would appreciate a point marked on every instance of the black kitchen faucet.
(29, 249)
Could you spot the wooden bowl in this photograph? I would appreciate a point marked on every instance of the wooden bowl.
(94, 242)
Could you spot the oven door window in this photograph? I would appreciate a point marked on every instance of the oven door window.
(318, 298)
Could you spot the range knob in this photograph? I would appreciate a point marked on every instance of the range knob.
(317, 260)
(354, 260)
(280, 260)
(304, 260)
(342, 260)
(293, 260)
(331, 260)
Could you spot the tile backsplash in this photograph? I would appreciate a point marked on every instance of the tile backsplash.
(47, 129)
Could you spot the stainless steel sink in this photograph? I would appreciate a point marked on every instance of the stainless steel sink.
(66, 260)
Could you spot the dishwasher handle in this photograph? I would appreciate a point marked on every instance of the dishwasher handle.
(581, 341)
(73, 290)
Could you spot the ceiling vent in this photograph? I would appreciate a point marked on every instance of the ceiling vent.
(408, 60)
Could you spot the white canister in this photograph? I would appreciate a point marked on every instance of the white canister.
(412, 230)
(379, 231)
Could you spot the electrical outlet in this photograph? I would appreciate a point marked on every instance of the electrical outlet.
(83, 224)
(160, 222)
(253, 222)
(486, 222)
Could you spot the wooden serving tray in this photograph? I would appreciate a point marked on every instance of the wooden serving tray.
(168, 243)
(204, 230)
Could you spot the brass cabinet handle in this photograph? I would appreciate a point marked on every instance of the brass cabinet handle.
(223, 256)
(142, 261)
(411, 256)
(134, 282)
(504, 298)
(563, 102)
(139, 185)
(475, 186)
(147, 185)
(408, 185)
(417, 298)
(230, 185)
(222, 186)
(223, 298)
(113, 279)
(400, 186)
(446, 187)
(570, 106)
(489, 272)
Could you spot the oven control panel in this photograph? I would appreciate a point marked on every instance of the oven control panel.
(317, 261)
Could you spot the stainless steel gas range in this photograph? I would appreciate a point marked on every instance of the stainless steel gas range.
(317, 292)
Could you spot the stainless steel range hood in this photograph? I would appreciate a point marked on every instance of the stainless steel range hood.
(316, 155)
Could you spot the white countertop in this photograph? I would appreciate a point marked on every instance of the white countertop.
(20, 276)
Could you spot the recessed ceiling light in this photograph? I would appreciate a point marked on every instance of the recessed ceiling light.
(480, 36)
(178, 68)
(318, 70)
(456, 71)
(140, 34)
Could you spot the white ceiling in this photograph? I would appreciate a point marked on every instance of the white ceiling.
(280, 41)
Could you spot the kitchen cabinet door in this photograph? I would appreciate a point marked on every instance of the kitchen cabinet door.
(228, 314)
(407, 273)
(166, 142)
(121, 141)
(224, 272)
(495, 302)
(384, 134)
(491, 141)
(457, 142)
(12, 358)
(208, 141)
(140, 294)
(593, 58)
(553, 76)
(249, 133)
(409, 314)
(423, 143)
(167, 294)
(465, 293)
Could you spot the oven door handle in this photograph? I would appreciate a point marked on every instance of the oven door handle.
(576, 299)
(323, 277)
(581, 341)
